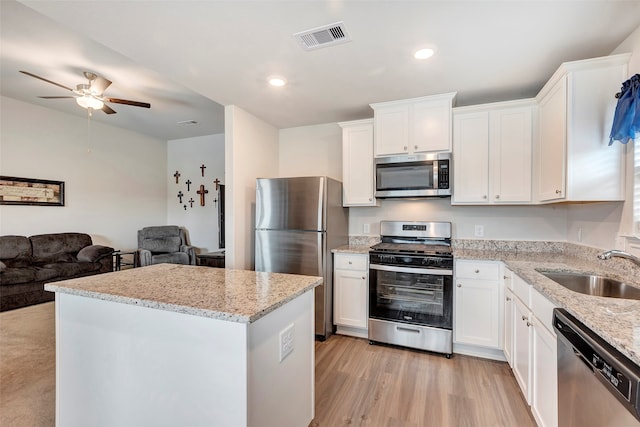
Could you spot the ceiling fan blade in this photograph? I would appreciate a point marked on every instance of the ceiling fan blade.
(56, 97)
(127, 102)
(46, 80)
(108, 109)
(99, 85)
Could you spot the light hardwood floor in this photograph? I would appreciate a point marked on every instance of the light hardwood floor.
(358, 384)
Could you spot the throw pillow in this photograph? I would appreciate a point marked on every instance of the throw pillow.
(3, 266)
(93, 253)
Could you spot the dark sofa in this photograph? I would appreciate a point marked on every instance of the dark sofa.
(27, 263)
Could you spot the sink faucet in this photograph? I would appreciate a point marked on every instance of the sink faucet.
(620, 254)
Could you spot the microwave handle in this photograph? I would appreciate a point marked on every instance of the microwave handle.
(436, 184)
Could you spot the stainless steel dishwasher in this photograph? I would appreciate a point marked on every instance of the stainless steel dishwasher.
(597, 385)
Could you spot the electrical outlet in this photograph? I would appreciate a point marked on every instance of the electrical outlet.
(479, 230)
(286, 342)
(366, 228)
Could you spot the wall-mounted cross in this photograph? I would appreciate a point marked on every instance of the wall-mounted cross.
(180, 195)
(188, 185)
(191, 202)
(185, 207)
(217, 182)
(176, 175)
(202, 168)
(202, 192)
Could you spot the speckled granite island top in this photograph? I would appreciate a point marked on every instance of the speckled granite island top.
(616, 320)
(225, 294)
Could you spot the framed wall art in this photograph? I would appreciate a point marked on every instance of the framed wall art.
(28, 191)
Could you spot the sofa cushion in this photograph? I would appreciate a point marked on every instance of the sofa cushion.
(12, 276)
(161, 231)
(55, 258)
(173, 258)
(161, 244)
(17, 262)
(45, 273)
(12, 247)
(48, 245)
(70, 269)
(93, 253)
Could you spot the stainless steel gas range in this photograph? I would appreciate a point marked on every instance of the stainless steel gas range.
(411, 286)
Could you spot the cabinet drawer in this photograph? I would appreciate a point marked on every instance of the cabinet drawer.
(351, 262)
(543, 309)
(478, 270)
(522, 290)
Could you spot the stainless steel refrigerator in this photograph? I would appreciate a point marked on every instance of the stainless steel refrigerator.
(298, 222)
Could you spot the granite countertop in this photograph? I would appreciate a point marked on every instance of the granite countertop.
(352, 249)
(616, 320)
(225, 294)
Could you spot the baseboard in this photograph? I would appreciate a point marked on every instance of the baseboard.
(483, 352)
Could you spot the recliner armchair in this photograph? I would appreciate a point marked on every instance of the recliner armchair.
(164, 244)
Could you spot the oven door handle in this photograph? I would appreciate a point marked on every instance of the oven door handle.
(431, 271)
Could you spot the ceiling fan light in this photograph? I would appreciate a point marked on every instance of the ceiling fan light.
(90, 102)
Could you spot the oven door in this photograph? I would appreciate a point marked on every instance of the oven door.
(419, 296)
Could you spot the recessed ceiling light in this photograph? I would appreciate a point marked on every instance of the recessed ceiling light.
(277, 81)
(423, 53)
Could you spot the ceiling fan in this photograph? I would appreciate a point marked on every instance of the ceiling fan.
(90, 95)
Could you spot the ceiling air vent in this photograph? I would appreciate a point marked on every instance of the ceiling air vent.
(327, 35)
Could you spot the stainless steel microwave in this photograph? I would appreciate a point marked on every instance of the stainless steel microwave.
(413, 176)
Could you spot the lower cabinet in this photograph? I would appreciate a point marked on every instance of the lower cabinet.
(544, 398)
(351, 294)
(478, 309)
(522, 348)
(508, 325)
(534, 356)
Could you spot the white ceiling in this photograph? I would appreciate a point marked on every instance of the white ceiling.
(181, 56)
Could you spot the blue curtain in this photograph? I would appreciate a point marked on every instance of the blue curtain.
(626, 121)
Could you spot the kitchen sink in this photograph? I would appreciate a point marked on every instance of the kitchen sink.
(590, 284)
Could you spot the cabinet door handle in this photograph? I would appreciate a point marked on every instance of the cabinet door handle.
(497, 196)
(508, 299)
(415, 147)
(529, 324)
(370, 199)
(459, 285)
(524, 317)
(484, 197)
(505, 277)
(558, 192)
(350, 262)
(477, 271)
(363, 278)
(405, 148)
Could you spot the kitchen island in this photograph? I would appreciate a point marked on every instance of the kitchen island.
(169, 345)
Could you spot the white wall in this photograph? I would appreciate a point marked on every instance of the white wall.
(186, 156)
(601, 223)
(114, 179)
(251, 151)
(311, 151)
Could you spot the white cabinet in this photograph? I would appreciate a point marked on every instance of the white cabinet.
(534, 352)
(414, 125)
(576, 107)
(358, 174)
(351, 302)
(522, 337)
(544, 404)
(508, 316)
(492, 152)
(478, 308)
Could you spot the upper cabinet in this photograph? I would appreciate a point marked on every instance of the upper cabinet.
(576, 108)
(416, 125)
(357, 163)
(492, 153)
